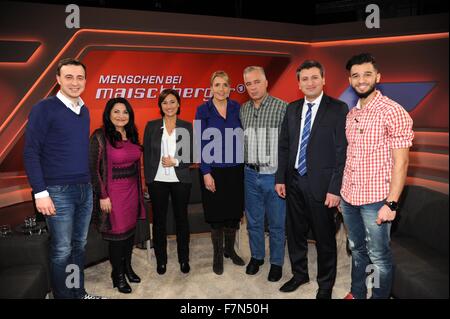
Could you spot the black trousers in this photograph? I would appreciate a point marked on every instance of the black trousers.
(159, 195)
(305, 213)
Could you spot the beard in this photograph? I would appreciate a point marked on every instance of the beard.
(365, 94)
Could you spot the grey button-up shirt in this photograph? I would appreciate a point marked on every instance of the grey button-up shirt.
(262, 127)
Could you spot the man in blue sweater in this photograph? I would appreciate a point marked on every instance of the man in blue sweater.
(56, 161)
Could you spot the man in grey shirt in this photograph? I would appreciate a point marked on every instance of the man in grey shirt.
(261, 119)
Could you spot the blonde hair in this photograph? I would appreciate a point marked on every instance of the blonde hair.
(219, 74)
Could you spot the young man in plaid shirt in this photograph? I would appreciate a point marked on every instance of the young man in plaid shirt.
(379, 134)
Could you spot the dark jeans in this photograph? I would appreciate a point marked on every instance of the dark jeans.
(68, 234)
(159, 195)
(305, 213)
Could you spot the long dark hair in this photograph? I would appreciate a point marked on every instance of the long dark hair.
(110, 130)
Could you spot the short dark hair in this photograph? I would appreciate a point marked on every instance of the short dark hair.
(308, 64)
(162, 97)
(69, 61)
(361, 59)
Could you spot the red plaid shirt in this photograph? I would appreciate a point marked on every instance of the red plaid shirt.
(371, 133)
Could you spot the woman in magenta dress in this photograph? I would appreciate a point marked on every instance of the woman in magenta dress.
(115, 156)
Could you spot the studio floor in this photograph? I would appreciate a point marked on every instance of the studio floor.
(203, 283)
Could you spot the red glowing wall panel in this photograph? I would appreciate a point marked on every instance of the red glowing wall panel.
(140, 76)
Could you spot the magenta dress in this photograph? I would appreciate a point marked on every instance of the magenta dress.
(123, 189)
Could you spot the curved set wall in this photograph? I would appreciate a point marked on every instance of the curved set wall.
(146, 53)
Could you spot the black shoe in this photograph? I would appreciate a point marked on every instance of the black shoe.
(133, 278)
(234, 258)
(218, 268)
(324, 293)
(184, 267)
(229, 252)
(121, 283)
(161, 269)
(253, 266)
(275, 273)
(131, 275)
(293, 284)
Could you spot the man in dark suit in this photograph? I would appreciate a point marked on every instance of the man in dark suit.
(311, 159)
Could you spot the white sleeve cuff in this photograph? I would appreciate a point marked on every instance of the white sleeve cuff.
(177, 162)
(41, 194)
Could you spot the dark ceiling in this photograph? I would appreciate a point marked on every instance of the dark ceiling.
(290, 11)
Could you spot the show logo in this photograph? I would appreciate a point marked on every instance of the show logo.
(149, 86)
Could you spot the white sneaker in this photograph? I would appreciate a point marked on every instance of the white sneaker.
(89, 296)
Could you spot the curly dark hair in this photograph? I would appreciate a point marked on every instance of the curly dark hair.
(110, 130)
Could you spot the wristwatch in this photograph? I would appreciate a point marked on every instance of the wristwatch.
(392, 205)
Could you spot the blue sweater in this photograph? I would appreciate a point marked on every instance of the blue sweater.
(56, 145)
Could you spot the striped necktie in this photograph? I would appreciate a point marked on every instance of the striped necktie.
(304, 141)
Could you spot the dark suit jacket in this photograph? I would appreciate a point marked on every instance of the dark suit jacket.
(152, 150)
(327, 147)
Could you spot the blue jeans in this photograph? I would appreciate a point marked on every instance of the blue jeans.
(68, 233)
(370, 246)
(261, 199)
